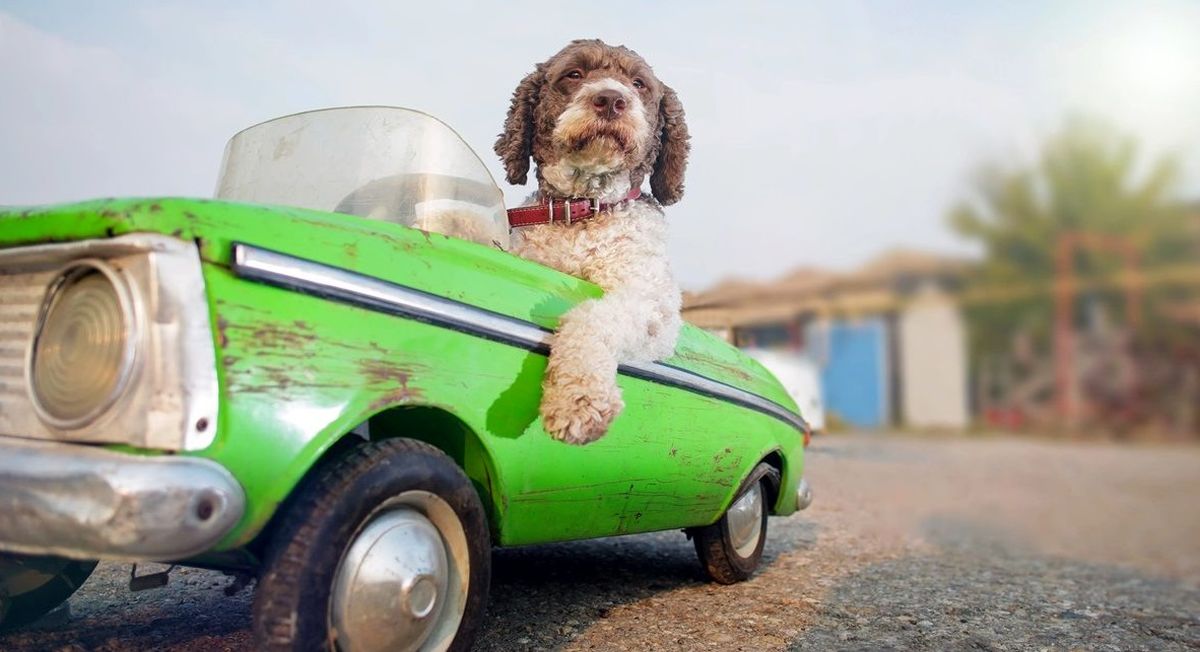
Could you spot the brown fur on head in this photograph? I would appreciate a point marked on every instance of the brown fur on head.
(558, 119)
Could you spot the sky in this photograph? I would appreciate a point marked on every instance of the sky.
(823, 133)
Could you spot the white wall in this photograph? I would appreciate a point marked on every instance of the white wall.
(933, 363)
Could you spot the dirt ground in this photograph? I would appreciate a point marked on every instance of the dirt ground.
(916, 543)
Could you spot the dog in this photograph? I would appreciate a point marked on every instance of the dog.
(596, 121)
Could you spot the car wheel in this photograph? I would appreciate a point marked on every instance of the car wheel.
(384, 548)
(731, 548)
(31, 587)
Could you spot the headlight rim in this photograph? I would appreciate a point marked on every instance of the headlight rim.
(131, 313)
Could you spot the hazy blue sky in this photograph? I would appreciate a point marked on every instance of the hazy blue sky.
(824, 132)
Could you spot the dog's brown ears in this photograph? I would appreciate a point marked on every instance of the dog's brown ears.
(666, 180)
(515, 145)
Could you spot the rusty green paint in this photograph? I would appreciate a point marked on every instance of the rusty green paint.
(298, 372)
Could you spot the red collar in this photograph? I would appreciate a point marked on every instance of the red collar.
(549, 210)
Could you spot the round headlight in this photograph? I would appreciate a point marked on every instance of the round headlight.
(84, 345)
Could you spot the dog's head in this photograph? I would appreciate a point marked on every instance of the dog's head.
(596, 120)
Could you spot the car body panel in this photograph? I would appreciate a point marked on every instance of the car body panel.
(298, 372)
(800, 375)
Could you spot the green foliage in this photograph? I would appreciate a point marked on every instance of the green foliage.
(1087, 178)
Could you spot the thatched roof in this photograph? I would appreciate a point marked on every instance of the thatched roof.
(868, 289)
(897, 263)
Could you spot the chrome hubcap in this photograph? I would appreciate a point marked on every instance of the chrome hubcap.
(401, 584)
(745, 521)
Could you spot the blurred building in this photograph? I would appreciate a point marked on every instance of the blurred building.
(1104, 343)
(888, 338)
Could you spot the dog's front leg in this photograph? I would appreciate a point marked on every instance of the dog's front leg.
(580, 395)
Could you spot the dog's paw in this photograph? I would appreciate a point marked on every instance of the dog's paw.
(580, 412)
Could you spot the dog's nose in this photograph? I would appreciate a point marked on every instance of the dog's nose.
(608, 103)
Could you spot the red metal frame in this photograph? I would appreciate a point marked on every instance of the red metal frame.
(1065, 289)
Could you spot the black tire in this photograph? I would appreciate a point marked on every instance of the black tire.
(715, 547)
(42, 583)
(319, 521)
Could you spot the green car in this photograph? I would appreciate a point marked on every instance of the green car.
(336, 403)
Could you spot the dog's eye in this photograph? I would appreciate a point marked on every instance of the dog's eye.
(639, 84)
(575, 74)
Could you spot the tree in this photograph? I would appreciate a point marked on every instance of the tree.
(1087, 179)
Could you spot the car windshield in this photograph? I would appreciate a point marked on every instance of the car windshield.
(383, 163)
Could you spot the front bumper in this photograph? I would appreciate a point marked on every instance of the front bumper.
(804, 495)
(85, 502)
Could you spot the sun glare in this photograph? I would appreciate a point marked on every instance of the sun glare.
(1159, 56)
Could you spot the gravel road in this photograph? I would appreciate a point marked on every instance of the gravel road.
(917, 543)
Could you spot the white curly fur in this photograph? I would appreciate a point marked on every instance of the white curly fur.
(624, 251)
(589, 142)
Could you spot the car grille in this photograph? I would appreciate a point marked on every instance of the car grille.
(21, 297)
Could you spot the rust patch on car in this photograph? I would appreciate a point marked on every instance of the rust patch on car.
(391, 398)
(375, 346)
(392, 378)
(274, 336)
(222, 325)
(263, 380)
(428, 236)
(709, 361)
(279, 378)
(724, 461)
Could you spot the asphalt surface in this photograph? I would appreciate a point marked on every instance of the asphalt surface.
(913, 543)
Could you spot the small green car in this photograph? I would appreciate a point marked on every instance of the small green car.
(338, 404)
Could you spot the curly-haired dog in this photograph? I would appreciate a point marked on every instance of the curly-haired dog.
(597, 121)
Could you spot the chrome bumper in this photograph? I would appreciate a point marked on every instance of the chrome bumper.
(84, 502)
(804, 495)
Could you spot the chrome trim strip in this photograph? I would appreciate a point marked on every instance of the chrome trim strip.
(85, 502)
(665, 374)
(301, 275)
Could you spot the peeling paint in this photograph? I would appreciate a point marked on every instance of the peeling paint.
(710, 361)
(222, 327)
(391, 377)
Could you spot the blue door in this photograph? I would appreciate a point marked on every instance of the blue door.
(855, 371)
